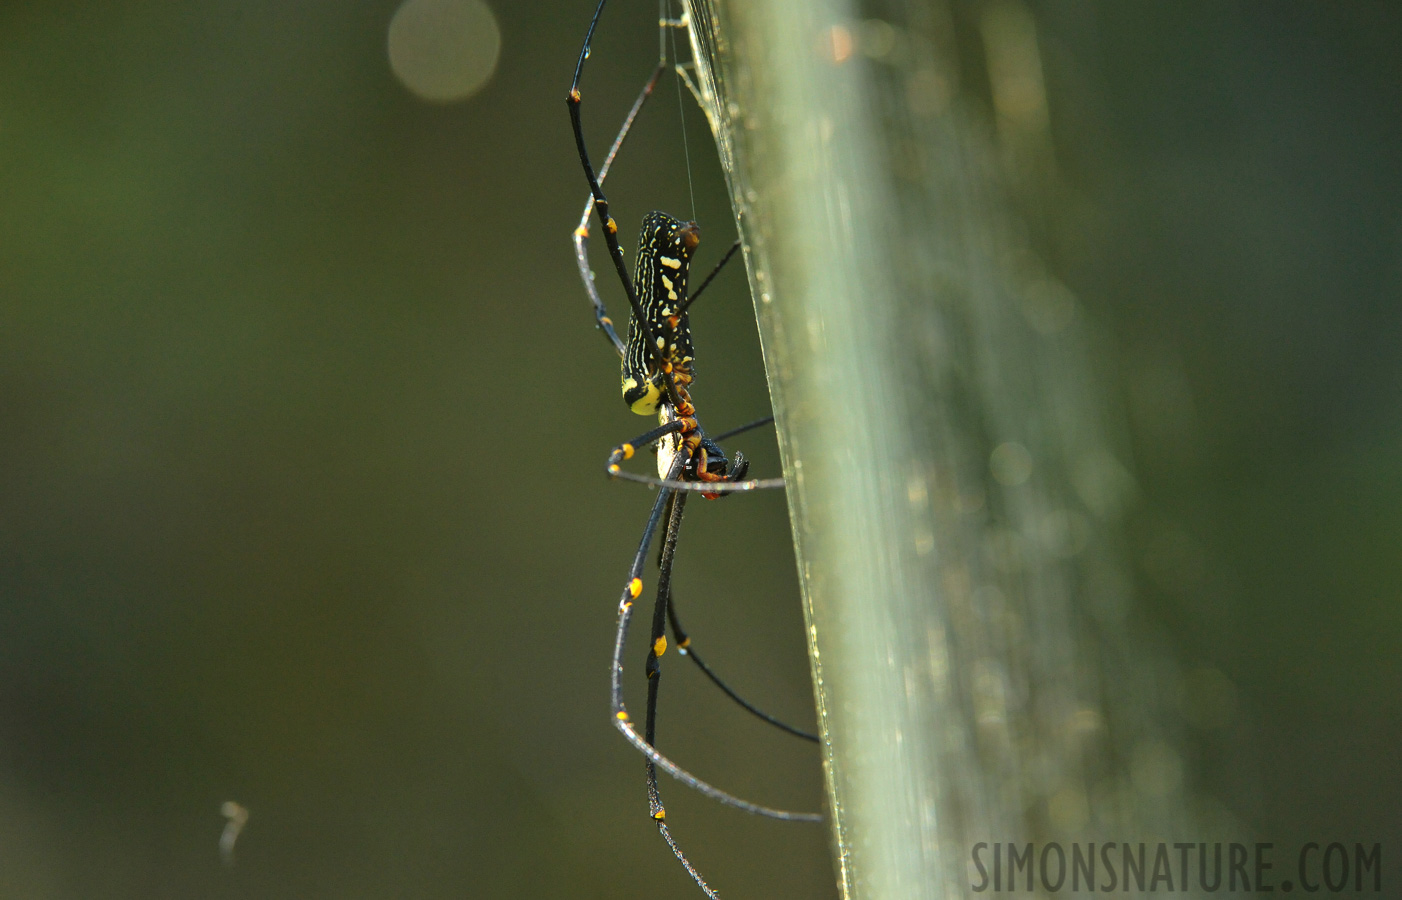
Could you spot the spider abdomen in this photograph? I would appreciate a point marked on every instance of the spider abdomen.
(665, 246)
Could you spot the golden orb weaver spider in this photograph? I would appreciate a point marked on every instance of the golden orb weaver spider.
(656, 377)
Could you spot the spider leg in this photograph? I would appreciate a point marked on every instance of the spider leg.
(581, 233)
(698, 487)
(679, 634)
(684, 648)
(735, 484)
(621, 719)
(601, 207)
(626, 449)
(748, 426)
(580, 236)
(656, 809)
(714, 272)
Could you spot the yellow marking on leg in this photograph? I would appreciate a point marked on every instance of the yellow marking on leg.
(627, 451)
(684, 643)
(581, 231)
(621, 715)
(659, 646)
(635, 587)
(612, 226)
(660, 814)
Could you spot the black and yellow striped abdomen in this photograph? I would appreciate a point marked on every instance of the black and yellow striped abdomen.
(664, 257)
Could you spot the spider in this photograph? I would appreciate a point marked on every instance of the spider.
(657, 373)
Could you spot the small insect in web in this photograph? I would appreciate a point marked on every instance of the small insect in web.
(657, 373)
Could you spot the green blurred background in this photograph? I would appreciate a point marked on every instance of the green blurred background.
(302, 420)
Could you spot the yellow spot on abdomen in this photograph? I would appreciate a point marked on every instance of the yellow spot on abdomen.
(644, 403)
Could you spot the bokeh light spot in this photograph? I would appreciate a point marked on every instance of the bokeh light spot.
(444, 50)
(1011, 463)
